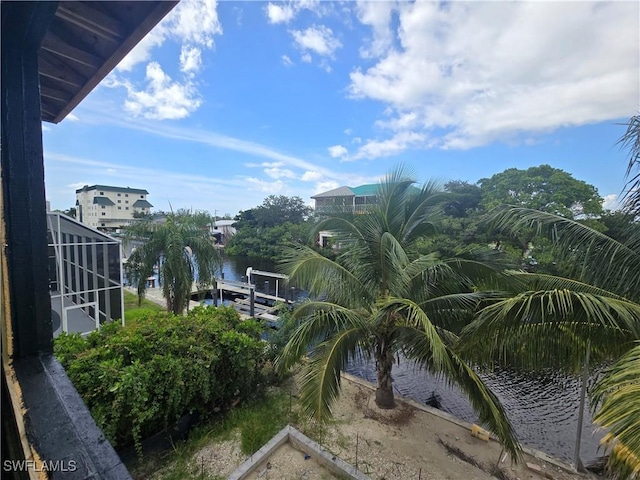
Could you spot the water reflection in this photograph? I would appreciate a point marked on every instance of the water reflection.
(542, 408)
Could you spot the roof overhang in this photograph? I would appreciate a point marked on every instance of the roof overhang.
(84, 42)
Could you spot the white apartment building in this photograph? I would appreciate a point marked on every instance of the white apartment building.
(101, 206)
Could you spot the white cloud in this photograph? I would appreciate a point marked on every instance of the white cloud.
(317, 39)
(273, 169)
(268, 187)
(280, 13)
(306, 58)
(392, 146)
(284, 12)
(193, 24)
(528, 67)
(163, 98)
(46, 128)
(190, 60)
(377, 15)
(337, 151)
(611, 202)
(286, 60)
(72, 117)
(326, 186)
(165, 186)
(210, 139)
(311, 176)
(142, 51)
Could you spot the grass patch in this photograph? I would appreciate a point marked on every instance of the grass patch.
(133, 312)
(256, 423)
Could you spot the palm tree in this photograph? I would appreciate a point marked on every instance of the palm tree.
(555, 321)
(182, 248)
(631, 141)
(381, 298)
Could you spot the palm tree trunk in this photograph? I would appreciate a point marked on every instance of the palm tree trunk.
(384, 364)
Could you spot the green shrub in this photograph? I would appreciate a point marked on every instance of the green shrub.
(138, 380)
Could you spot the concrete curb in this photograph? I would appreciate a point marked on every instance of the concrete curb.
(305, 444)
(461, 423)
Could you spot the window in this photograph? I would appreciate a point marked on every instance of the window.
(103, 214)
(101, 193)
(126, 208)
(119, 201)
(126, 194)
(119, 208)
(118, 194)
(103, 207)
(126, 201)
(141, 196)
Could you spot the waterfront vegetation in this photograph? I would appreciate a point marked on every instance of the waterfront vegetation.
(591, 314)
(262, 232)
(380, 298)
(134, 309)
(413, 277)
(140, 379)
(179, 247)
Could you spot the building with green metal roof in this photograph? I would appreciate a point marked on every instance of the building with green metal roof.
(356, 199)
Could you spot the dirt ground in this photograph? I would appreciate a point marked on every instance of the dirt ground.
(403, 443)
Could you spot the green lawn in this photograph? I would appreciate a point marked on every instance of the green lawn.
(132, 312)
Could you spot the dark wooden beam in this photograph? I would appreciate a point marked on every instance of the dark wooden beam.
(53, 68)
(25, 275)
(92, 20)
(55, 93)
(56, 45)
(153, 17)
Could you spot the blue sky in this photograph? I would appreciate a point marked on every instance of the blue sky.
(224, 103)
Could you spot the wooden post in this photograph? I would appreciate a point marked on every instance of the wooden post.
(23, 231)
(583, 392)
(252, 299)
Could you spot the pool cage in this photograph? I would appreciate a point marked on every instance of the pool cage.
(85, 276)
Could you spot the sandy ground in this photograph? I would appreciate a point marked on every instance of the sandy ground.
(403, 443)
(288, 463)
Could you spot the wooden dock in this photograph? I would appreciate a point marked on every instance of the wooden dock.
(242, 288)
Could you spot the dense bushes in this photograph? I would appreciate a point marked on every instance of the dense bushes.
(138, 380)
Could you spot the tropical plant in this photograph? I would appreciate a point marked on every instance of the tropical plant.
(380, 298)
(183, 251)
(555, 321)
(139, 379)
(631, 141)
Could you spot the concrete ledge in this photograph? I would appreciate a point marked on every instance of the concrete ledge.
(301, 442)
(461, 423)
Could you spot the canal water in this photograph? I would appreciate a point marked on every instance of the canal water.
(543, 408)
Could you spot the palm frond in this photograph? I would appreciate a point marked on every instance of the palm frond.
(408, 313)
(618, 397)
(320, 384)
(631, 141)
(418, 346)
(596, 258)
(318, 321)
(535, 329)
(322, 276)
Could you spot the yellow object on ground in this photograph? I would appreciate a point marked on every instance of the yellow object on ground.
(479, 432)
